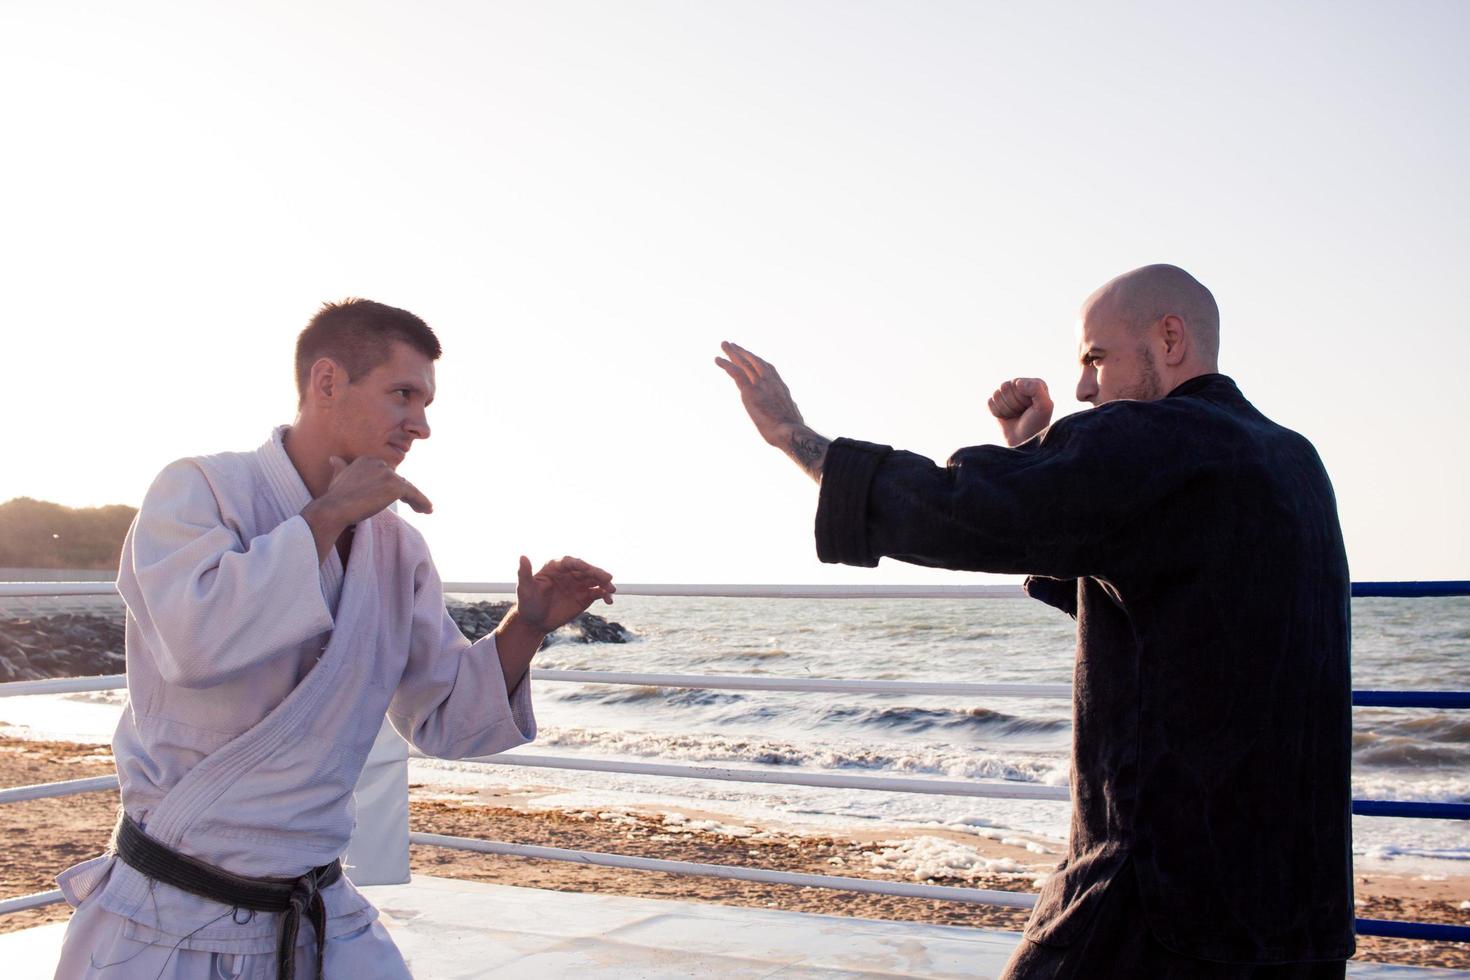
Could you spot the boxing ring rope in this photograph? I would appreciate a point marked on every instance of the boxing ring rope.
(1396, 808)
(1361, 590)
(974, 896)
(829, 685)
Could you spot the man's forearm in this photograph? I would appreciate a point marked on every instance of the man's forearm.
(516, 642)
(807, 449)
(326, 526)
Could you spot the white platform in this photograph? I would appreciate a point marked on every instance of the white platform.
(455, 930)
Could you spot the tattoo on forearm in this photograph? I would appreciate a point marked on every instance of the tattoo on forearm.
(809, 450)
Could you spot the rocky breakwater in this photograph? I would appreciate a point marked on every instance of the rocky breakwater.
(64, 645)
(78, 645)
(475, 619)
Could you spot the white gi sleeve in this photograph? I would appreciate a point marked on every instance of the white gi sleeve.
(210, 604)
(451, 701)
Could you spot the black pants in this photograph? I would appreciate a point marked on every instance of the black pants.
(1120, 945)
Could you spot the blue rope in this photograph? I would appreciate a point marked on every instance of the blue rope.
(1414, 930)
(1397, 808)
(1411, 699)
(1409, 590)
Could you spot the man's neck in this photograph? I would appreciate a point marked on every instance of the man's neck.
(310, 454)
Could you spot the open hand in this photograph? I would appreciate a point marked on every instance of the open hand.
(365, 486)
(768, 402)
(559, 592)
(1023, 406)
(766, 398)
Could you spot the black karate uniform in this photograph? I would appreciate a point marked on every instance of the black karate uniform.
(1197, 544)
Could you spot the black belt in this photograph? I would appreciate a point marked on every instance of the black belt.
(293, 896)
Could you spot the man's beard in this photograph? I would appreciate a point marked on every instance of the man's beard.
(1149, 385)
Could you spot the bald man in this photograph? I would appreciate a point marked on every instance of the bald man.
(1197, 545)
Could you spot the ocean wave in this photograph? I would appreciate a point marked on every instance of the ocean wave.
(1454, 729)
(1412, 788)
(1387, 852)
(911, 720)
(118, 697)
(631, 694)
(762, 709)
(1395, 752)
(917, 760)
(923, 859)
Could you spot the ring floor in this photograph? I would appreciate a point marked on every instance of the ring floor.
(458, 930)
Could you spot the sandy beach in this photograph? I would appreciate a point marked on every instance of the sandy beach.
(44, 836)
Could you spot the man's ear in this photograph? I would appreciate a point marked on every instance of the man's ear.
(326, 381)
(1175, 339)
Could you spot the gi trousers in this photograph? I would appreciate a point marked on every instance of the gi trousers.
(96, 948)
(1119, 944)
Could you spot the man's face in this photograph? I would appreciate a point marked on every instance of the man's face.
(383, 412)
(1117, 362)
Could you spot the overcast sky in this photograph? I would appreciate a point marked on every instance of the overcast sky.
(900, 204)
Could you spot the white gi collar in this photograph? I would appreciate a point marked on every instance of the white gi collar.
(290, 492)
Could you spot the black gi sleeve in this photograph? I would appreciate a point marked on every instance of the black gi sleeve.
(847, 473)
(1064, 505)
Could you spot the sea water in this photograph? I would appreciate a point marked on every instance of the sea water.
(1401, 754)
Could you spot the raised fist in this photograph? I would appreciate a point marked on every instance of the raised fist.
(1023, 407)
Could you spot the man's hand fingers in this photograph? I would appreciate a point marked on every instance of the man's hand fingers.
(737, 368)
(1007, 401)
(596, 590)
(753, 365)
(1032, 387)
(762, 366)
(585, 567)
(1042, 398)
(736, 374)
(338, 465)
(523, 572)
(584, 571)
(415, 498)
(589, 591)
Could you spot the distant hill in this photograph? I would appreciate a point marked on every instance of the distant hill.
(40, 534)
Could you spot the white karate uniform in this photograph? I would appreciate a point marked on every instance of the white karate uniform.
(258, 678)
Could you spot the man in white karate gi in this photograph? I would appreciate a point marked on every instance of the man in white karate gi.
(276, 609)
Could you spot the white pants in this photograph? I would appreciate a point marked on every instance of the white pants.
(95, 947)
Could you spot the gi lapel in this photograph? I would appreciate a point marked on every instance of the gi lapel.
(202, 785)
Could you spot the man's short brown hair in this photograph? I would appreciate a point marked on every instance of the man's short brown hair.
(358, 334)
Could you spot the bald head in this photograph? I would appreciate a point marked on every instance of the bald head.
(1145, 332)
(1145, 296)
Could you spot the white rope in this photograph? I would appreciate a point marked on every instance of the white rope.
(749, 682)
(23, 902)
(42, 589)
(68, 787)
(729, 682)
(935, 787)
(64, 685)
(692, 591)
(974, 896)
(696, 591)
